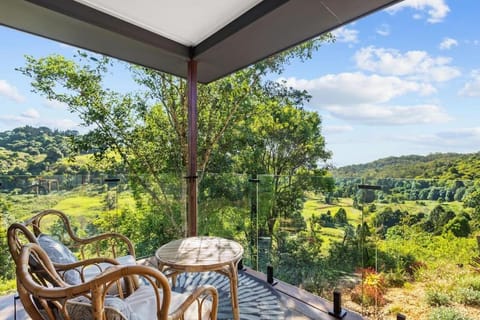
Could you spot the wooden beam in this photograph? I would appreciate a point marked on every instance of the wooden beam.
(192, 149)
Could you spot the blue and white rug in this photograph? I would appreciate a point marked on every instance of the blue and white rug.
(257, 301)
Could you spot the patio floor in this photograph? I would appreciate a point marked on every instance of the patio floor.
(257, 299)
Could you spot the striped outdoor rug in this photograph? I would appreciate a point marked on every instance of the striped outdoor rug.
(257, 301)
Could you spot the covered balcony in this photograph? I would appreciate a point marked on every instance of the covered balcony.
(371, 241)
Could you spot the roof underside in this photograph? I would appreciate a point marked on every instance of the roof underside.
(223, 36)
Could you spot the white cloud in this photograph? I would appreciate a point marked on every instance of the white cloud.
(383, 30)
(437, 10)
(460, 138)
(415, 64)
(31, 114)
(32, 118)
(356, 88)
(389, 115)
(10, 92)
(337, 129)
(61, 124)
(472, 87)
(55, 104)
(460, 134)
(448, 43)
(344, 34)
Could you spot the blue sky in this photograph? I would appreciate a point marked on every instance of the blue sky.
(402, 81)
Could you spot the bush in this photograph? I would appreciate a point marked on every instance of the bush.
(7, 286)
(468, 296)
(471, 282)
(373, 288)
(395, 279)
(444, 313)
(436, 298)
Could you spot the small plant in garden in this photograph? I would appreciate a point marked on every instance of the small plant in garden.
(471, 281)
(468, 296)
(395, 279)
(436, 298)
(446, 313)
(372, 289)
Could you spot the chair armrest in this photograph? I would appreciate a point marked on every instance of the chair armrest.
(199, 294)
(158, 280)
(35, 222)
(105, 236)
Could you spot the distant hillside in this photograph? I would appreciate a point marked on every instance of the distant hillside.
(29, 150)
(35, 141)
(450, 166)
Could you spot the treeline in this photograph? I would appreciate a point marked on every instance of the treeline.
(395, 190)
(30, 151)
(36, 141)
(445, 166)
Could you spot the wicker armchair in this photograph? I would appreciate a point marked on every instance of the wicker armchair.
(112, 245)
(45, 295)
(108, 248)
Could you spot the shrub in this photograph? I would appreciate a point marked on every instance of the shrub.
(444, 313)
(372, 289)
(468, 296)
(7, 286)
(395, 279)
(470, 281)
(437, 298)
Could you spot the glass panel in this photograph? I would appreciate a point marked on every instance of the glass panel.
(224, 207)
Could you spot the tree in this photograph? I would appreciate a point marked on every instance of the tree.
(459, 226)
(123, 124)
(285, 142)
(340, 216)
(6, 263)
(387, 218)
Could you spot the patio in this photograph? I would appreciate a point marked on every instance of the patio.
(206, 54)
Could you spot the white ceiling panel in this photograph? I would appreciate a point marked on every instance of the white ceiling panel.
(188, 22)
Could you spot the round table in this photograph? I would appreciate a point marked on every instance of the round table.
(202, 254)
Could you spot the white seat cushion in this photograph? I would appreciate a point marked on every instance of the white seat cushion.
(138, 306)
(92, 271)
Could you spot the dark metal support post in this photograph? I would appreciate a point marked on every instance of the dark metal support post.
(192, 150)
(253, 243)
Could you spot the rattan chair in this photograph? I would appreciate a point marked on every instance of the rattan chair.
(45, 295)
(111, 245)
(108, 248)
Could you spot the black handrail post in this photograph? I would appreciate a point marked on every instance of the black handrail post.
(337, 312)
(253, 243)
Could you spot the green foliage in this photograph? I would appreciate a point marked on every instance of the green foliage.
(372, 290)
(386, 219)
(437, 298)
(444, 166)
(340, 216)
(6, 265)
(447, 313)
(459, 226)
(471, 281)
(395, 279)
(35, 141)
(246, 123)
(468, 296)
(8, 286)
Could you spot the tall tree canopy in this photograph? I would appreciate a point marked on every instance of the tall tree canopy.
(240, 116)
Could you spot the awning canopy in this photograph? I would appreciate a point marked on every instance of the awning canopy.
(221, 35)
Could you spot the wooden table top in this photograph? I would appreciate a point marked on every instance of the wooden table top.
(199, 253)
